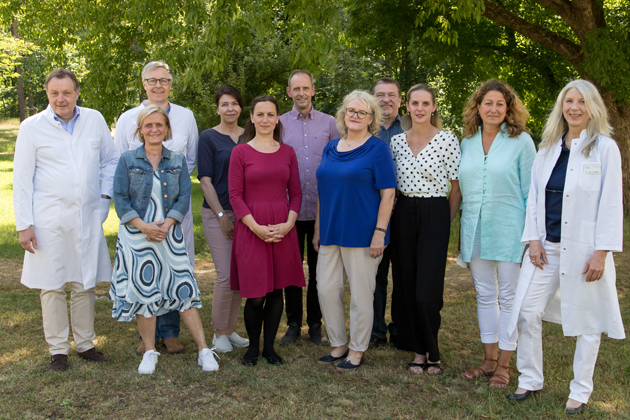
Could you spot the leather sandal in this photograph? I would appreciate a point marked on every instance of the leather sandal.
(478, 372)
(422, 366)
(501, 380)
(428, 366)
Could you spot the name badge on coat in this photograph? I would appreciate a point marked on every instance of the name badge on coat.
(592, 169)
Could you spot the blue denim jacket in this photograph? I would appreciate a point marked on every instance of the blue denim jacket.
(133, 183)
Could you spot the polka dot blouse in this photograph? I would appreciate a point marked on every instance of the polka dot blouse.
(428, 174)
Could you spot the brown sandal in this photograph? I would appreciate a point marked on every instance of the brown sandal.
(478, 372)
(501, 380)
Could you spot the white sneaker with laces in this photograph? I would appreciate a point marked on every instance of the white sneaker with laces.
(149, 360)
(206, 360)
(238, 341)
(222, 344)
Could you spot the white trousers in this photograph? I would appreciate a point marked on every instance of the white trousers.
(495, 282)
(189, 235)
(55, 317)
(334, 265)
(529, 360)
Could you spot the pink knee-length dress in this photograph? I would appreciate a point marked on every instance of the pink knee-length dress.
(258, 185)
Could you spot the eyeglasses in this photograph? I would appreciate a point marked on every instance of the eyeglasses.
(153, 82)
(361, 114)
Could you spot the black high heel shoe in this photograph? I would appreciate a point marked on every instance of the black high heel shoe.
(273, 360)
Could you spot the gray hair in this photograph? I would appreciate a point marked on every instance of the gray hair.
(598, 123)
(156, 65)
(299, 71)
(373, 108)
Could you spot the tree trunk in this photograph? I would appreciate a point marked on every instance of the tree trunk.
(620, 120)
(31, 110)
(20, 85)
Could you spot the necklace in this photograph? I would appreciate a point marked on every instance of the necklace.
(353, 145)
(415, 150)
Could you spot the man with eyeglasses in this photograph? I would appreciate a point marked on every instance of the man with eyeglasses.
(157, 80)
(387, 92)
(308, 131)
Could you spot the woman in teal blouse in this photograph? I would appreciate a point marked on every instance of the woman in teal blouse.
(494, 177)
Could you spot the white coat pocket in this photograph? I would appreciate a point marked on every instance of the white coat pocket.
(591, 176)
(587, 235)
(94, 149)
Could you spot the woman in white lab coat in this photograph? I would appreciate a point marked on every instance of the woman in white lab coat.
(573, 224)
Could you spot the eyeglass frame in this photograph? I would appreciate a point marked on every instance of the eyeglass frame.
(158, 81)
(355, 112)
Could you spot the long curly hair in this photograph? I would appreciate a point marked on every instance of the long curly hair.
(516, 115)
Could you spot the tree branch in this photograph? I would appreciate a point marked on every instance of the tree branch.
(538, 34)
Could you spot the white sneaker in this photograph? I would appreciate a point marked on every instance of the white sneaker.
(149, 360)
(206, 360)
(222, 344)
(238, 341)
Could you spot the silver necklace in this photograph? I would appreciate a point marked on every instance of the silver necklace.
(415, 150)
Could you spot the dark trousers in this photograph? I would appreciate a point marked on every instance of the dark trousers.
(166, 326)
(420, 235)
(380, 327)
(293, 294)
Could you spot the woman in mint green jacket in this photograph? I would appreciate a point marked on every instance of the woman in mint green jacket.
(494, 177)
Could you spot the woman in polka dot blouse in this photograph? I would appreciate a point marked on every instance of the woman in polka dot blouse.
(497, 158)
(426, 159)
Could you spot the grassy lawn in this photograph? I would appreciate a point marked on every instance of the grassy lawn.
(300, 388)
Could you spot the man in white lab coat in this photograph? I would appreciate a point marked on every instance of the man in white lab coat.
(157, 80)
(63, 175)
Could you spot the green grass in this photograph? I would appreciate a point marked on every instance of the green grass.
(382, 389)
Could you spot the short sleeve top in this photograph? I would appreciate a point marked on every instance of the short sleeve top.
(349, 185)
(215, 150)
(428, 174)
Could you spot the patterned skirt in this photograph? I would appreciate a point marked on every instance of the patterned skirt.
(152, 278)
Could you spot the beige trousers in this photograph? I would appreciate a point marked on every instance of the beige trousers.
(334, 265)
(226, 302)
(55, 316)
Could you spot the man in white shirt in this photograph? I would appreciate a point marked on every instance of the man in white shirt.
(157, 80)
(63, 176)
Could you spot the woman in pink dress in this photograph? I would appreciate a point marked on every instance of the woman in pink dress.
(265, 252)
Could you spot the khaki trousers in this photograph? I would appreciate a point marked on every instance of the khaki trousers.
(55, 316)
(334, 265)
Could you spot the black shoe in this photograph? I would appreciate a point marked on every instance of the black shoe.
(575, 410)
(317, 337)
(329, 359)
(249, 362)
(376, 341)
(347, 366)
(292, 334)
(519, 397)
(275, 360)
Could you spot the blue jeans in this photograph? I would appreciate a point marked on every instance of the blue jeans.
(379, 327)
(166, 326)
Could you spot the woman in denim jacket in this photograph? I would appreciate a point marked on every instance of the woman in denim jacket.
(152, 272)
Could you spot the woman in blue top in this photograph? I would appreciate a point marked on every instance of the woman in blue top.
(356, 184)
(152, 272)
(215, 150)
(494, 178)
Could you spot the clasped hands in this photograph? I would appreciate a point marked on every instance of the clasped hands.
(272, 233)
(157, 231)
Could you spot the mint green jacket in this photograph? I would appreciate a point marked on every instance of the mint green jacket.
(494, 194)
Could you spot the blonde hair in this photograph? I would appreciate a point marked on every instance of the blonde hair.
(516, 115)
(436, 121)
(373, 108)
(148, 110)
(598, 123)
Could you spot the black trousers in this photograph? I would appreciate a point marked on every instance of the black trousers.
(420, 235)
(293, 294)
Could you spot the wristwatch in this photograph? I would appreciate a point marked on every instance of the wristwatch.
(220, 214)
(106, 197)
(381, 229)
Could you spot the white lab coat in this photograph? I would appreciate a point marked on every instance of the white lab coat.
(58, 180)
(592, 219)
(183, 126)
